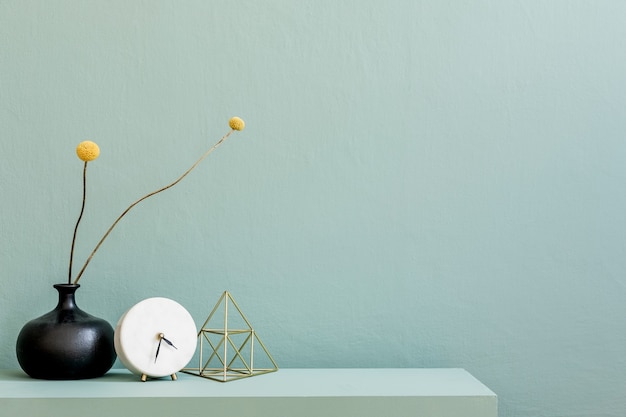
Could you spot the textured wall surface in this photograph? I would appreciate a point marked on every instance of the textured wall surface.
(420, 183)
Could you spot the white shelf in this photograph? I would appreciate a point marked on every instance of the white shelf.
(286, 393)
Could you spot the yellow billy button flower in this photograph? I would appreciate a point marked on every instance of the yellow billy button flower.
(236, 123)
(87, 151)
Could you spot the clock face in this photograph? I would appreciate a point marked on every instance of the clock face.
(156, 337)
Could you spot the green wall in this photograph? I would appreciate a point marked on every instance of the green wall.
(419, 184)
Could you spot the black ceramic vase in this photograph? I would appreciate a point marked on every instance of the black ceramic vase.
(66, 343)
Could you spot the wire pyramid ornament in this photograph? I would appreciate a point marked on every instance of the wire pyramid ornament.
(231, 344)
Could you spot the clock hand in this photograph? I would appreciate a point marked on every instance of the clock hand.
(168, 342)
(159, 346)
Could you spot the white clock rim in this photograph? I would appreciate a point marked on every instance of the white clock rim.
(179, 324)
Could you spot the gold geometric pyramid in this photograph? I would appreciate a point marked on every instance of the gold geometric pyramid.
(228, 346)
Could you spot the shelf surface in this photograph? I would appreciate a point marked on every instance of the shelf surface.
(328, 392)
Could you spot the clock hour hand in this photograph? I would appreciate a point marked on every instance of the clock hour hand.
(168, 342)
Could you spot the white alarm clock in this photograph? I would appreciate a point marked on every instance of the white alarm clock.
(156, 337)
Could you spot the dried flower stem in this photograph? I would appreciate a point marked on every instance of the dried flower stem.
(219, 142)
(80, 216)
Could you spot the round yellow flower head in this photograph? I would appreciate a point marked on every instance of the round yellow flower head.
(87, 150)
(236, 123)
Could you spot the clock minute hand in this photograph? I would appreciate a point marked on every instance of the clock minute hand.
(158, 347)
(168, 342)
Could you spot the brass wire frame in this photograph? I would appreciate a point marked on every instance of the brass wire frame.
(227, 372)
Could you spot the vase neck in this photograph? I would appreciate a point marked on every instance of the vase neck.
(67, 300)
